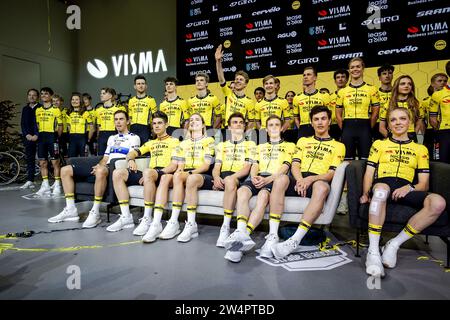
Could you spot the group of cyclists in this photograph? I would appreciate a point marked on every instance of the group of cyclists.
(300, 141)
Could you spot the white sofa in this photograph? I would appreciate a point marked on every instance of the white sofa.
(211, 202)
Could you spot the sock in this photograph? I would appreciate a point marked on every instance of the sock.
(125, 208)
(96, 206)
(176, 209)
(302, 229)
(274, 223)
(70, 200)
(227, 215)
(148, 209)
(374, 237)
(242, 223)
(157, 213)
(250, 228)
(191, 212)
(57, 181)
(407, 233)
(45, 181)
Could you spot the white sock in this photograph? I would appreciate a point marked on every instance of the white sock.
(302, 229)
(176, 209)
(407, 233)
(125, 208)
(148, 209)
(226, 221)
(374, 237)
(157, 213)
(191, 212)
(274, 223)
(96, 206)
(70, 203)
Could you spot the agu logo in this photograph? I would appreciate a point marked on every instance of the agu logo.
(440, 45)
(97, 69)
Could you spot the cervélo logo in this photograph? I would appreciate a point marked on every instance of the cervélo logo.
(205, 47)
(406, 49)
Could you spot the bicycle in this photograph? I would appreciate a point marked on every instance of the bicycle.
(9, 168)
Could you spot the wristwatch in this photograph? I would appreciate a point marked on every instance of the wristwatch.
(190, 171)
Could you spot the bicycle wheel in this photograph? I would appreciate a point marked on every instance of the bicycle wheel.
(22, 159)
(9, 168)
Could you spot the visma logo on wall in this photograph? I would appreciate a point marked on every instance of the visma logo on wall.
(121, 63)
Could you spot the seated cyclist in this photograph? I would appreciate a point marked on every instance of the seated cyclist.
(272, 159)
(395, 161)
(117, 147)
(162, 161)
(313, 167)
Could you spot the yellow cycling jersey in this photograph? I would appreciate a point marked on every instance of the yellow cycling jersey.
(318, 155)
(194, 152)
(440, 107)
(78, 122)
(177, 111)
(105, 117)
(332, 107)
(233, 155)
(162, 151)
(403, 104)
(64, 120)
(208, 107)
(265, 108)
(234, 103)
(385, 96)
(141, 110)
(270, 156)
(398, 159)
(92, 115)
(357, 101)
(304, 102)
(47, 118)
(425, 106)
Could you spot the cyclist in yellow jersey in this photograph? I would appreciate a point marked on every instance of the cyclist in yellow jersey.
(403, 96)
(175, 107)
(272, 104)
(272, 160)
(305, 101)
(78, 120)
(313, 167)
(195, 155)
(437, 82)
(291, 134)
(233, 161)
(162, 151)
(92, 143)
(63, 139)
(236, 100)
(141, 107)
(357, 107)
(259, 94)
(205, 103)
(385, 75)
(105, 117)
(440, 119)
(394, 162)
(340, 77)
(48, 119)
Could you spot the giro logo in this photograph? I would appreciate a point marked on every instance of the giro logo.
(303, 61)
(197, 23)
(123, 63)
(97, 69)
(378, 21)
(241, 3)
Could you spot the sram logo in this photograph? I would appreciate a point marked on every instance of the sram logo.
(433, 12)
(346, 56)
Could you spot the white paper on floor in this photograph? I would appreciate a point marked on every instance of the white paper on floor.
(34, 196)
(310, 258)
(16, 188)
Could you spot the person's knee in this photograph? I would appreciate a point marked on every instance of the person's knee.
(101, 172)
(66, 171)
(435, 203)
(321, 188)
(281, 183)
(43, 164)
(120, 174)
(230, 183)
(263, 197)
(243, 194)
(193, 181)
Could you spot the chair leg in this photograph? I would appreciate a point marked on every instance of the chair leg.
(447, 242)
(108, 207)
(357, 244)
(426, 240)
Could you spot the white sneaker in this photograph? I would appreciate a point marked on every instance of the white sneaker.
(57, 190)
(374, 267)
(266, 250)
(190, 232)
(44, 190)
(153, 232)
(53, 185)
(389, 257)
(283, 249)
(124, 222)
(65, 215)
(28, 185)
(239, 240)
(342, 209)
(234, 256)
(171, 230)
(224, 234)
(92, 220)
(143, 226)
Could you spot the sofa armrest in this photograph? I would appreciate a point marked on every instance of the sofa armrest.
(439, 180)
(354, 175)
(141, 162)
(329, 210)
(84, 161)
